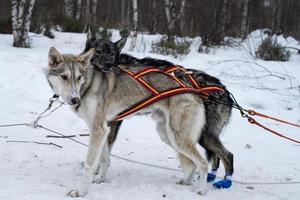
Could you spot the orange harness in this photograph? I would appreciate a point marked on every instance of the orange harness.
(156, 95)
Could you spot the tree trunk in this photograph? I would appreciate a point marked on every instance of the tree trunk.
(224, 19)
(124, 22)
(171, 15)
(244, 20)
(87, 12)
(94, 11)
(27, 21)
(135, 25)
(181, 16)
(69, 8)
(153, 27)
(78, 9)
(21, 13)
(14, 17)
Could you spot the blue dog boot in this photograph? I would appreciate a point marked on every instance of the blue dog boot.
(225, 183)
(211, 176)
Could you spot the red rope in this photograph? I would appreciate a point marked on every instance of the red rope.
(253, 113)
(253, 121)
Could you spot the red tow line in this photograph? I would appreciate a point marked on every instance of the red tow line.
(253, 121)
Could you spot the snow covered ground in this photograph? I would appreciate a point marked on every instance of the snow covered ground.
(33, 171)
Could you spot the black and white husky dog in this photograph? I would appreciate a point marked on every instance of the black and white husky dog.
(108, 54)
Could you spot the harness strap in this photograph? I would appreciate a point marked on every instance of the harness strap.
(253, 121)
(141, 81)
(253, 113)
(203, 91)
(153, 99)
(188, 73)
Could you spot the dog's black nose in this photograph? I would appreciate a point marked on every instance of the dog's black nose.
(108, 65)
(75, 101)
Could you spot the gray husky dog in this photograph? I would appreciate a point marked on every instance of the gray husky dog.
(218, 110)
(98, 97)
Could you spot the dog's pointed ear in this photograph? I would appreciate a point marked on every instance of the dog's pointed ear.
(90, 35)
(121, 43)
(86, 57)
(54, 58)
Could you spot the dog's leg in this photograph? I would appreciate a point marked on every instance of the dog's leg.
(215, 162)
(160, 119)
(214, 144)
(187, 165)
(105, 162)
(114, 130)
(211, 156)
(97, 141)
(189, 169)
(184, 128)
(214, 168)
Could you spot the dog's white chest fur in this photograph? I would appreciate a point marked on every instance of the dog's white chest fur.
(87, 110)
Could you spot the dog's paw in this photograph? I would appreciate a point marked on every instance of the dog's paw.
(183, 182)
(200, 182)
(211, 177)
(98, 179)
(223, 184)
(76, 193)
(201, 192)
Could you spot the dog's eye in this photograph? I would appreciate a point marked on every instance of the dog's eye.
(99, 52)
(64, 77)
(79, 77)
(112, 54)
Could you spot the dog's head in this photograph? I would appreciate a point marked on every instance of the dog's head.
(106, 52)
(68, 75)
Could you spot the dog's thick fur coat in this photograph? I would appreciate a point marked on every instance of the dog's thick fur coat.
(108, 54)
(97, 97)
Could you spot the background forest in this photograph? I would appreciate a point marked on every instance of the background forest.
(252, 46)
(210, 19)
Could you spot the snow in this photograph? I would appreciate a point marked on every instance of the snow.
(33, 171)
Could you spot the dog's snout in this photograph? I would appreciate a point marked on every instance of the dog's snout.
(75, 101)
(107, 67)
(108, 64)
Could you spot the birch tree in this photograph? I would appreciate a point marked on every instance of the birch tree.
(245, 17)
(124, 19)
(135, 24)
(224, 18)
(171, 16)
(173, 12)
(86, 9)
(78, 9)
(69, 8)
(21, 12)
(94, 11)
(181, 16)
